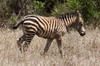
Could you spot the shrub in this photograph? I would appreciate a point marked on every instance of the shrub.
(38, 7)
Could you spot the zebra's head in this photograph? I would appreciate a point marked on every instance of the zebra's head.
(79, 24)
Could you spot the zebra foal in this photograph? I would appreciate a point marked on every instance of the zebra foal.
(48, 27)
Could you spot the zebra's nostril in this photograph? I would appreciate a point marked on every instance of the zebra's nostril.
(83, 33)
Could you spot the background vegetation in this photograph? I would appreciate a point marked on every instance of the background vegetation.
(12, 10)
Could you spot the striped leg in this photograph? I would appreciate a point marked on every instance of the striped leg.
(28, 40)
(20, 41)
(59, 43)
(49, 41)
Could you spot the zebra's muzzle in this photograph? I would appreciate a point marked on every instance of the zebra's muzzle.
(83, 33)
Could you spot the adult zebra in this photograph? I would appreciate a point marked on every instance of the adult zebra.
(48, 27)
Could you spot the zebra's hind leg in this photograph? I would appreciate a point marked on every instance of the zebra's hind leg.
(49, 41)
(28, 40)
(59, 43)
(20, 41)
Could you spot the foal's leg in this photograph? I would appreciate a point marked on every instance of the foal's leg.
(59, 43)
(49, 41)
(28, 40)
(20, 41)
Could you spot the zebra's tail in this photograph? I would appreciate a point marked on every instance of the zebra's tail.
(18, 24)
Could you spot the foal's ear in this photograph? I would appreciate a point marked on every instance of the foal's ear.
(78, 13)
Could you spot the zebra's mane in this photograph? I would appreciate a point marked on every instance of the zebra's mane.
(66, 15)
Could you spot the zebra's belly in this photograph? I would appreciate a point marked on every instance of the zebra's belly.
(50, 34)
(45, 34)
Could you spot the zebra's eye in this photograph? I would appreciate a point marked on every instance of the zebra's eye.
(81, 24)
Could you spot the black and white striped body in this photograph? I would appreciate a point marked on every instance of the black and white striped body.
(48, 27)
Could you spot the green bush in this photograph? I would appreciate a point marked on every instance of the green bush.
(60, 9)
(38, 7)
(90, 9)
(12, 20)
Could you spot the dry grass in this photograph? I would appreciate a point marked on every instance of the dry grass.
(77, 50)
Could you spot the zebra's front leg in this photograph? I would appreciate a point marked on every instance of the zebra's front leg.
(20, 41)
(49, 41)
(59, 43)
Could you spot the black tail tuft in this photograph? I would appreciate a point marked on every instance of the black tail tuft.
(15, 27)
(17, 24)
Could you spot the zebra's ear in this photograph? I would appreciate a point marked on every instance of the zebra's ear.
(78, 13)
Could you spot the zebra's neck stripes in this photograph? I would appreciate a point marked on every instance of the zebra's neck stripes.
(68, 18)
